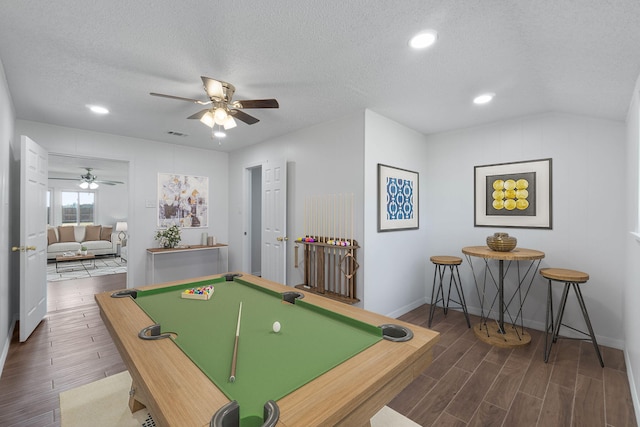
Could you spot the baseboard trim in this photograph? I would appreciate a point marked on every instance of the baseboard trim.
(7, 343)
(632, 386)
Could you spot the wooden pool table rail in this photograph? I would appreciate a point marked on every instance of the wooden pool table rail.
(166, 381)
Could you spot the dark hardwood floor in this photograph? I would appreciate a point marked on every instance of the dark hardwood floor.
(71, 347)
(469, 382)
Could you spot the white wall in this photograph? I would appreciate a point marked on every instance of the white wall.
(588, 204)
(394, 261)
(631, 291)
(146, 158)
(7, 293)
(323, 159)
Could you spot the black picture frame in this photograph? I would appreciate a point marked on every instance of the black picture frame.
(398, 199)
(516, 194)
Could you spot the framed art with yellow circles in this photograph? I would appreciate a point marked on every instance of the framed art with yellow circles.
(516, 194)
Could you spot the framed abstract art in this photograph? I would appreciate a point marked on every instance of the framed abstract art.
(397, 199)
(183, 200)
(514, 194)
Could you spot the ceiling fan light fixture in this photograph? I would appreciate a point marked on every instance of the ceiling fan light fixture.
(219, 134)
(219, 116)
(93, 186)
(207, 119)
(229, 123)
(214, 88)
(84, 185)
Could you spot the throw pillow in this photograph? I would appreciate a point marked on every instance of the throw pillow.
(106, 233)
(92, 233)
(66, 234)
(51, 236)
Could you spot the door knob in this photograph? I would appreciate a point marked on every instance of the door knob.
(280, 239)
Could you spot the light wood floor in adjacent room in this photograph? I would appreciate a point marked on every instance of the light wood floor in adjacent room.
(468, 384)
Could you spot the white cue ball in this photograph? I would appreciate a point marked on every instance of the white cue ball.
(276, 327)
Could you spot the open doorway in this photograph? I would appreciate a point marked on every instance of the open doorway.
(100, 208)
(255, 219)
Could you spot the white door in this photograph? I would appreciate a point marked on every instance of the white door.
(274, 220)
(33, 236)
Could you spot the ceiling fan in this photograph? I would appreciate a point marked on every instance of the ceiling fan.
(222, 111)
(89, 180)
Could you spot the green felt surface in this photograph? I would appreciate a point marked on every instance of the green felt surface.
(270, 365)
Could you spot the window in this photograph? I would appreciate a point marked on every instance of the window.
(78, 207)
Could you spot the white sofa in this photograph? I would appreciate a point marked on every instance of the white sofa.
(99, 240)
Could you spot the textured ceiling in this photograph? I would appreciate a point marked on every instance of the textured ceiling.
(321, 59)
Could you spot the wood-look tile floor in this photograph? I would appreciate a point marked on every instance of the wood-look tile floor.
(69, 348)
(469, 382)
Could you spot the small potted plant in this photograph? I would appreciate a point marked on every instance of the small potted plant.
(168, 238)
(83, 250)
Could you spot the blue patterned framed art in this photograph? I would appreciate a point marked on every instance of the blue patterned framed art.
(397, 199)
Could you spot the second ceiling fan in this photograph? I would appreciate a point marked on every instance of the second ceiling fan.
(222, 110)
(89, 180)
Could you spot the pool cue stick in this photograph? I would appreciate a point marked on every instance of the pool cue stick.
(335, 265)
(234, 361)
(351, 271)
(351, 219)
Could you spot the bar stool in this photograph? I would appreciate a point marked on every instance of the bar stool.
(571, 279)
(442, 262)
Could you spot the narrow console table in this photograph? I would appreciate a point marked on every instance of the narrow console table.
(502, 334)
(185, 262)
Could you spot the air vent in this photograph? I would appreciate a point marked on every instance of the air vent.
(175, 133)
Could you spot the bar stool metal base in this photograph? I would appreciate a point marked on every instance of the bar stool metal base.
(571, 279)
(442, 263)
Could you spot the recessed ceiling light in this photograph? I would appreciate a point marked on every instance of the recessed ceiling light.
(484, 98)
(423, 39)
(98, 109)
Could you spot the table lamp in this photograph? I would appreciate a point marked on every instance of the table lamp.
(121, 227)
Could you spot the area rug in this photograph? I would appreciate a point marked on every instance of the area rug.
(76, 269)
(102, 403)
(105, 403)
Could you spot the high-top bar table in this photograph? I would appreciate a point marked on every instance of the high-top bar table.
(503, 335)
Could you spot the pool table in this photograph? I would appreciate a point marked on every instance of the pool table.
(330, 364)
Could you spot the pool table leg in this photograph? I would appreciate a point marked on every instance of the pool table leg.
(134, 404)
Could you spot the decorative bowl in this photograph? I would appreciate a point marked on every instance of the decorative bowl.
(502, 242)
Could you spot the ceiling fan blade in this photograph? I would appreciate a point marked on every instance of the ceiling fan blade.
(84, 180)
(197, 101)
(256, 103)
(199, 114)
(213, 87)
(244, 117)
(108, 182)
